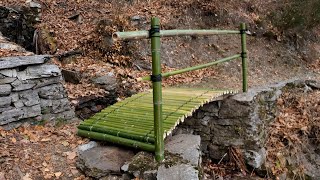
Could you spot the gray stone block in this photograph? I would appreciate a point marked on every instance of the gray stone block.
(232, 108)
(60, 105)
(7, 80)
(101, 161)
(108, 82)
(256, 158)
(18, 104)
(14, 97)
(12, 62)
(39, 71)
(10, 116)
(5, 102)
(55, 91)
(32, 111)
(5, 89)
(46, 81)
(187, 146)
(29, 98)
(22, 85)
(9, 72)
(6, 109)
(178, 172)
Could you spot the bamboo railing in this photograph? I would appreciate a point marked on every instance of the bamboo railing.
(136, 135)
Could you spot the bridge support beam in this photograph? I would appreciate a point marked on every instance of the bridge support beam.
(157, 88)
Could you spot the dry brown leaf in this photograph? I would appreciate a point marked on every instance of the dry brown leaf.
(57, 174)
(14, 140)
(2, 177)
(65, 143)
(27, 177)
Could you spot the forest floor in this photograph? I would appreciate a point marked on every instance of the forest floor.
(48, 150)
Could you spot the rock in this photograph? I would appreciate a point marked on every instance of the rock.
(39, 71)
(54, 106)
(22, 85)
(5, 90)
(187, 146)
(12, 62)
(55, 91)
(14, 97)
(9, 72)
(11, 116)
(7, 80)
(18, 104)
(46, 81)
(140, 163)
(233, 108)
(108, 82)
(11, 46)
(87, 146)
(181, 172)
(60, 105)
(71, 76)
(33, 4)
(256, 159)
(6, 109)
(30, 98)
(101, 161)
(5, 102)
(32, 111)
(313, 84)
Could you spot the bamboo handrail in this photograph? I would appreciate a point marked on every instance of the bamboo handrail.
(180, 71)
(131, 35)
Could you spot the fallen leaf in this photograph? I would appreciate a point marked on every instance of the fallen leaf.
(70, 155)
(13, 140)
(44, 164)
(48, 176)
(2, 177)
(74, 171)
(65, 143)
(26, 177)
(57, 174)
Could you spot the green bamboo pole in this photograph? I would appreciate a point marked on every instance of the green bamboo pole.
(133, 132)
(157, 88)
(116, 133)
(167, 74)
(115, 139)
(130, 35)
(244, 57)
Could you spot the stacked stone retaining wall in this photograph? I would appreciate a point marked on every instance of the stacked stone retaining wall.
(31, 88)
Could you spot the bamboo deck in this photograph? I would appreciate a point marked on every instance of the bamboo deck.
(130, 122)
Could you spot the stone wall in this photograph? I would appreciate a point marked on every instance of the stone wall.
(238, 121)
(31, 88)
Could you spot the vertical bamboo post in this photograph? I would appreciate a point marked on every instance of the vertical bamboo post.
(157, 88)
(244, 57)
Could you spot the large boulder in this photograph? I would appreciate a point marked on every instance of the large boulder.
(99, 161)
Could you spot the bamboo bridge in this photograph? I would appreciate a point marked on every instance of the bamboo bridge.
(146, 119)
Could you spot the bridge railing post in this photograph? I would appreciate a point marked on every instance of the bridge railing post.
(156, 79)
(243, 30)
